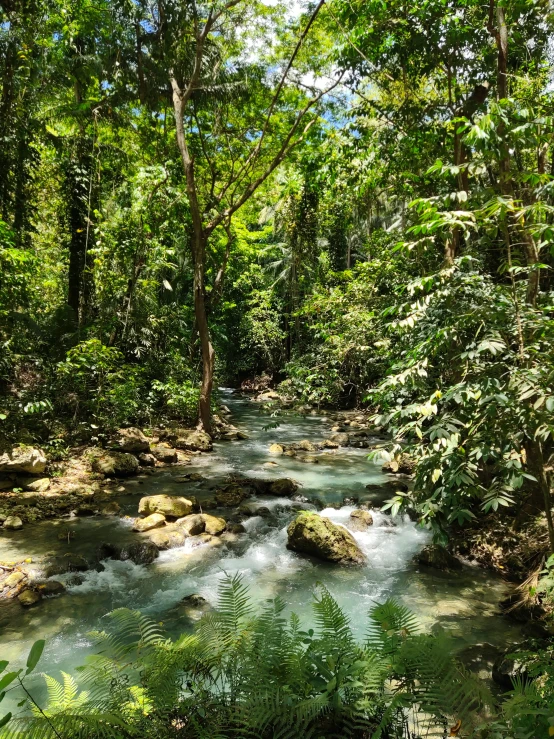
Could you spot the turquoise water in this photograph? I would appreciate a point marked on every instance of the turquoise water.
(463, 604)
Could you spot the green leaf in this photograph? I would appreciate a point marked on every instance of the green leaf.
(3, 664)
(7, 679)
(34, 655)
(4, 720)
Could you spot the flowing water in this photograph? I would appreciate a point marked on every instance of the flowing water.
(465, 604)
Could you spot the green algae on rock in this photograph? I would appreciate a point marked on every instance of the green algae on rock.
(312, 534)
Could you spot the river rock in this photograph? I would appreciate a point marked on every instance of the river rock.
(50, 588)
(13, 523)
(170, 537)
(304, 446)
(438, 558)
(132, 440)
(25, 459)
(360, 520)
(77, 563)
(312, 534)
(111, 509)
(141, 552)
(191, 525)
(191, 439)
(329, 444)
(207, 539)
(236, 528)
(153, 521)
(195, 601)
(13, 579)
(282, 487)
(507, 670)
(115, 464)
(308, 459)
(38, 486)
(172, 507)
(276, 449)
(147, 460)
(403, 464)
(165, 454)
(213, 524)
(29, 598)
(342, 439)
(231, 495)
(290, 453)
(268, 395)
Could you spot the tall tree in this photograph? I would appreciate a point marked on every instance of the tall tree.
(275, 119)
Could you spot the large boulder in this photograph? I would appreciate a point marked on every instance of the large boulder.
(438, 558)
(312, 534)
(169, 537)
(24, 459)
(231, 495)
(213, 524)
(141, 552)
(360, 520)
(49, 588)
(115, 464)
(165, 454)
(13, 523)
(147, 460)
(29, 598)
(276, 449)
(191, 525)
(37, 486)
(305, 446)
(132, 440)
(282, 487)
(172, 507)
(153, 521)
(191, 439)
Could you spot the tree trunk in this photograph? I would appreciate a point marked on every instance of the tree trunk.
(543, 498)
(500, 34)
(198, 249)
(207, 350)
(77, 192)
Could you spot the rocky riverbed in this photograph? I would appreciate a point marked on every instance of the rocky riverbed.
(111, 531)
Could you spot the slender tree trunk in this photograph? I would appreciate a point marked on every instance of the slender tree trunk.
(207, 350)
(77, 191)
(198, 249)
(535, 462)
(500, 34)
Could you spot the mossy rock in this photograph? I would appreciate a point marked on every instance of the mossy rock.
(231, 495)
(115, 464)
(360, 520)
(213, 524)
(283, 487)
(169, 537)
(169, 506)
(438, 558)
(312, 534)
(153, 521)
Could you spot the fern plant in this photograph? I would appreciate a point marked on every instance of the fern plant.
(249, 673)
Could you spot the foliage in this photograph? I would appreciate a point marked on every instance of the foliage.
(245, 672)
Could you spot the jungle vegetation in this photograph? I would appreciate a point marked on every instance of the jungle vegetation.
(353, 198)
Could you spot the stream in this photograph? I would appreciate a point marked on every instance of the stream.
(464, 604)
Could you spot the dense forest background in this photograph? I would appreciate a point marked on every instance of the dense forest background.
(353, 200)
(349, 202)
